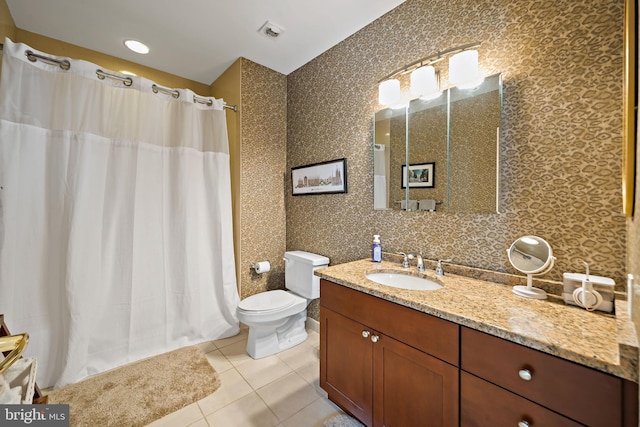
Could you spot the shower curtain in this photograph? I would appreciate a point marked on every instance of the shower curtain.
(115, 217)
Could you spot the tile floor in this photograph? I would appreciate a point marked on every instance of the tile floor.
(277, 391)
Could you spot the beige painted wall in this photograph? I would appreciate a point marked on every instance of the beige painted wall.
(7, 26)
(562, 126)
(228, 87)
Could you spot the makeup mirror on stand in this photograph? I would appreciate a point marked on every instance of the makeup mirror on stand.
(531, 255)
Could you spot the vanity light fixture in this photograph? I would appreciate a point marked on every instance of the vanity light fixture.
(389, 92)
(463, 70)
(463, 73)
(424, 82)
(136, 46)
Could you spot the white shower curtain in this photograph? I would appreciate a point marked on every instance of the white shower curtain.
(115, 220)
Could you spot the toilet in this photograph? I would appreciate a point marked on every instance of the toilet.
(276, 319)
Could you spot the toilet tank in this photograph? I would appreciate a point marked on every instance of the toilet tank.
(298, 273)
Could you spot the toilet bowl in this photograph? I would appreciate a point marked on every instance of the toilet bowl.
(276, 319)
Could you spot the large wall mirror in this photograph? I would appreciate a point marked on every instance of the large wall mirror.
(441, 154)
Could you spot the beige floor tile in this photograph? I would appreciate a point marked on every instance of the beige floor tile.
(250, 411)
(242, 336)
(313, 339)
(300, 356)
(311, 374)
(236, 353)
(287, 384)
(219, 362)
(261, 372)
(288, 395)
(183, 417)
(200, 423)
(207, 346)
(313, 415)
(233, 388)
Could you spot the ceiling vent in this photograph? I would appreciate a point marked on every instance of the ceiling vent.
(271, 30)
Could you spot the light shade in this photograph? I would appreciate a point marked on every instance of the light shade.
(424, 82)
(389, 92)
(463, 70)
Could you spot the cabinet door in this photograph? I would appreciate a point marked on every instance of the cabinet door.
(346, 364)
(412, 388)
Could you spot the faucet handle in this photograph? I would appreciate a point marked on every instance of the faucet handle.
(439, 269)
(405, 261)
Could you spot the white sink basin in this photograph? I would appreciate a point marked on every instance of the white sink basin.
(404, 281)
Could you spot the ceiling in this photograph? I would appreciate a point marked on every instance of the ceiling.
(200, 39)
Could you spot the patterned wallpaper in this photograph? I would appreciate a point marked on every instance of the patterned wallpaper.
(561, 150)
(263, 166)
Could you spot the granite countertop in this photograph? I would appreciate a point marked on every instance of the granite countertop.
(602, 341)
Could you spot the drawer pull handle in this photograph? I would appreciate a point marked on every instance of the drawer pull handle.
(525, 374)
(365, 334)
(374, 338)
(523, 424)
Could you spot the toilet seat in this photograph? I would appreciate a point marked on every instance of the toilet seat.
(269, 301)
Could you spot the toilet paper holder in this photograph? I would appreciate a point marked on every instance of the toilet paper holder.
(260, 267)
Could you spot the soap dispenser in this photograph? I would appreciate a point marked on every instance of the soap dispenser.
(376, 249)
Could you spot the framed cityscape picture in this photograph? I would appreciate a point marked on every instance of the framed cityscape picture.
(320, 178)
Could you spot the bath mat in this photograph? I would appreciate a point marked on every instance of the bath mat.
(141, 392)
(342, 420)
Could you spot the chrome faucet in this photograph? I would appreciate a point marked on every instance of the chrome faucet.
(420, 263)
(439, 270)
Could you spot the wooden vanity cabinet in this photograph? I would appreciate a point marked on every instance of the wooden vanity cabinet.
(390, 365)
(386, 364)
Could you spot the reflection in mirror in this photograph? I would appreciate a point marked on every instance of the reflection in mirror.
(474, 147)
(389, 149)
(531, 255)
(451, 144)
(427, 136)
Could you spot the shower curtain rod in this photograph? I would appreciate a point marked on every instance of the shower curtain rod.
(127, 81)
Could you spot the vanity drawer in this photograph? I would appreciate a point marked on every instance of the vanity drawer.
(586, 395)
(485, 404)
(427, 333)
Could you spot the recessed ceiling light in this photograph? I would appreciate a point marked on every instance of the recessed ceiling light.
(136, 46)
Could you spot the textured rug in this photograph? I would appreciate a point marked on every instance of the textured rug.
(342, 420)
(141, 392)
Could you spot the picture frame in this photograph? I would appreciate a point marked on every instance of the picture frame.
(328, 177)
(420, 175)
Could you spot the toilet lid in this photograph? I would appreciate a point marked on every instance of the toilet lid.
(270, 300)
